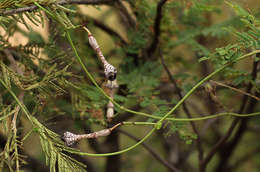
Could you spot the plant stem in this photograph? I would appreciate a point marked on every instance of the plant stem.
(138, 123)
(118, 152)
(140, 113)
(144, 114)
(204, 80)
(177, 105)
(99, 88)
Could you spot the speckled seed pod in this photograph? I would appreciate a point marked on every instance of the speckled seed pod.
(109, 70)
(70, 138)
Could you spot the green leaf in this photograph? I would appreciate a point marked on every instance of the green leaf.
(146, 102)
(203, 59)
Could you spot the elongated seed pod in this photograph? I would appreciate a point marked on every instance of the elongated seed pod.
(70, 138)
(109, 70)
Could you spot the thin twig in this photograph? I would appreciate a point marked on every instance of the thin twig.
(223, 140)
(152, 152)
(231, 146)
(62, 2)
(113, 163)
(105, 28)
(156, 27)
(124, 14)
(216, 146)
(235, 89)
(185, 108)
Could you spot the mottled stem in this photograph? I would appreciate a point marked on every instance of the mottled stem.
(71, 138)
(112, 86)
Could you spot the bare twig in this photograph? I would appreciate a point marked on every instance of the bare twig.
(223, 140)
(106, 28)
(217, 145)
(235, 89)
(62, 2)
(157, 23)
(124, 14)
(231, 146)
(113, 145)
(152, 152)
(185, 108)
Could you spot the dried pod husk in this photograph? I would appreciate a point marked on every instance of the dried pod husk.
(110, 111)
(109, 70)
(93, 42)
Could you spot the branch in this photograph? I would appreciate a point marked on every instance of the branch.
(185, 108)
(232, 145)
(93, 143)
(152, 152)
(217, 145)
(113, 162)
(222, 141)
(125, 15)
(235, 89)
(107, 29)
(243, 125)
(62, 2)
(156, 27)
